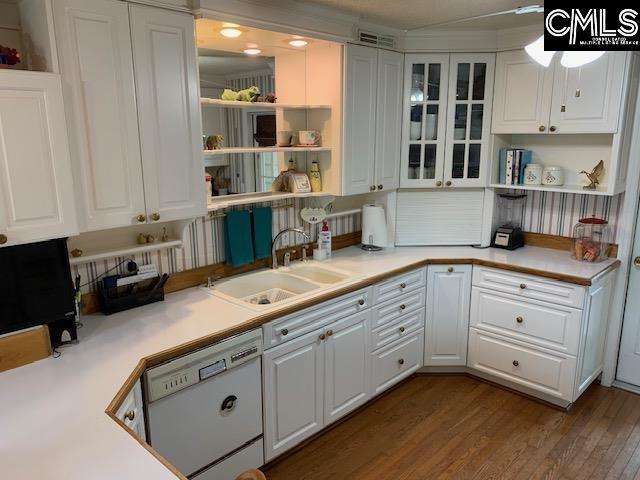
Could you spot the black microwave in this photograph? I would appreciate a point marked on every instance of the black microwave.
(36, 288)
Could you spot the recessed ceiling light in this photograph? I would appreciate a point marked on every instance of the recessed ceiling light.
(298, 42)
(231, 32)
(252, 51)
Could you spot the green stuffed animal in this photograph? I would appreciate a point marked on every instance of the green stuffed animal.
(247, 95)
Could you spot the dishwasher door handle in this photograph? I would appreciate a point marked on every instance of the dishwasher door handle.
(228, 404)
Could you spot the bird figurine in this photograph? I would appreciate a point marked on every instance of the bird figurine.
(594, 176)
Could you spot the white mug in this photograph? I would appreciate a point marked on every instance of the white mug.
(309, 137)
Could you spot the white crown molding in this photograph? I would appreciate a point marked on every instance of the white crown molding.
(518, 37)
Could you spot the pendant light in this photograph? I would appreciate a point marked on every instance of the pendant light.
(569, 59)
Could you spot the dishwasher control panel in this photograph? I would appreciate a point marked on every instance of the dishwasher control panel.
(200, 365)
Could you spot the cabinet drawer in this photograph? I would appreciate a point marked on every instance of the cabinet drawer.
(407, 282)
(311, 318)
(396, 362)
(539, 323)
(394, 309)
(537, 369)
(529, 286)
(400, 328)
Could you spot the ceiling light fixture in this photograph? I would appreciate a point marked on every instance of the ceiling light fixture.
(298, 42)
(252, 51)
(569, 59)
(231, 32)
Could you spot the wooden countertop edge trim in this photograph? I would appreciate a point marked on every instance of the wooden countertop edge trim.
(164, 355)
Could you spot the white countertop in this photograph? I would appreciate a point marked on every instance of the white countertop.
(52, 419)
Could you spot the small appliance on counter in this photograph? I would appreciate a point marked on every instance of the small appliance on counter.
(374, 227)
(510, 211)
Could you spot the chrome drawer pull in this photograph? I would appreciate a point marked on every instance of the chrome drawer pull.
(403, 285)
(401, 329)
(523, 286)
(284, 332)
(516, 363)
(401, 361)
(519, 319)
(361, 302)
(403, 306)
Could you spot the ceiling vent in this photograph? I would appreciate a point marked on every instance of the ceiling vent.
(375, 39)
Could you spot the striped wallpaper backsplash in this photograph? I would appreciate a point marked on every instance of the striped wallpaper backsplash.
(556, 213)
(203, 243)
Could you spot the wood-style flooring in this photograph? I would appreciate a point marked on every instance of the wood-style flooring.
(454, 426)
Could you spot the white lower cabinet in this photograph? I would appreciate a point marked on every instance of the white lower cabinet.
(447, 315)
(131, 412)
(396, 362)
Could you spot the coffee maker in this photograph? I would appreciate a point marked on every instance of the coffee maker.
(510, 209)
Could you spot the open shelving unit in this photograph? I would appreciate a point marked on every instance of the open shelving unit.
(550, 188)
(226, 201)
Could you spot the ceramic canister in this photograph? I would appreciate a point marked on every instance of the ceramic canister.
(553, 176)
(533, 174)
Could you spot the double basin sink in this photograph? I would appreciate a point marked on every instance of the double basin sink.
(263, 289)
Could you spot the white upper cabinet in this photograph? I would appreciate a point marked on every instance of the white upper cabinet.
(588, 99)
(522, 94)
(388, 119)
(97, 69)
(533, 99)
(447, 109)
(372, 102)
(36, 186)
(168, 94)
(468, 116)
(131, 89)
(361, 75)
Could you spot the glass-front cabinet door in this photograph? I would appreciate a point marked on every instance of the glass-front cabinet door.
(424, 120)
(468, 119)
(446, 120)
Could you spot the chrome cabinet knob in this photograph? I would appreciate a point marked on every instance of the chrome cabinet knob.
(3, 239)
(130, 415)
(284, 332)
(403, 285)
(361, 302)
(401, 361)
(380, 187)
(541, 128)
(516, 363)
(523, 286)
(141, 218)
(155, 216)
(438, 183)
(519, 319)
(401, 329)
(403, 306)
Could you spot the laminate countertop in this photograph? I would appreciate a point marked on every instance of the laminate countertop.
(53, 423)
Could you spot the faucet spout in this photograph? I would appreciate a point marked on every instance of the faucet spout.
(274, 257)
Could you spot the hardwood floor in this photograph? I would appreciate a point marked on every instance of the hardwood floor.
(453, 426)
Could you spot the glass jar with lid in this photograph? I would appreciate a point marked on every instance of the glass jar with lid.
(591, 239)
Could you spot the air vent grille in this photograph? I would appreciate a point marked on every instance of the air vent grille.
(375, 39)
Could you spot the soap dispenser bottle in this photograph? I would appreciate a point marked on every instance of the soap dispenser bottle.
(324, 241)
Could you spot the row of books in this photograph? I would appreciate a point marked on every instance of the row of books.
(512, 164)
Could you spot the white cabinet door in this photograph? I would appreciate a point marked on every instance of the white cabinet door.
(468, 116)
(131, 412)
(447, 317)
(347, 364)
(360, 92)
(522, 98)
(94, 46)
(293, 376)
(588, 99)
(36, 187)
(388, 119)
(424, 123)
(166, 76)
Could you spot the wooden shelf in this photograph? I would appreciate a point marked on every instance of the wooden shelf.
(232, 150)
(226, 201)
(215, 102)
(124, 251)
(549, 188)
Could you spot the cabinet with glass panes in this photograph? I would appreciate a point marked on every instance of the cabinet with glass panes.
(446, 120)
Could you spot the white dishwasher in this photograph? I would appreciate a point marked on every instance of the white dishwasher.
(204, 409)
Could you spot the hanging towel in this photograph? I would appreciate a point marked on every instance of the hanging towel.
(262, 233)
(238, 239)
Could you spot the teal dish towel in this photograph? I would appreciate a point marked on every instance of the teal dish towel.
(238, 239)
(262, 233)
